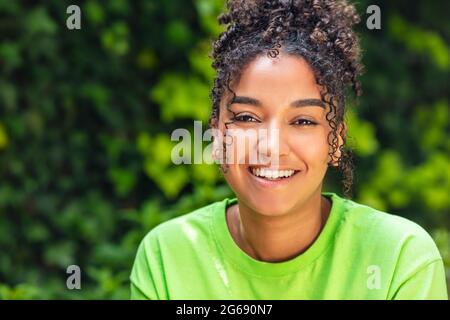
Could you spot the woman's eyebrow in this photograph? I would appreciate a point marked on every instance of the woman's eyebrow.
(246, 100)
(308, 103)
(297, 103)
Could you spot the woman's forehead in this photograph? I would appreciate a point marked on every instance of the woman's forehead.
(283, 79)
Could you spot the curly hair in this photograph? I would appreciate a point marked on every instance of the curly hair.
(319, 31)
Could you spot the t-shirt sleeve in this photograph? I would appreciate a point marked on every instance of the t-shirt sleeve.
(145, 280)
(137, 293)
(419, 272)
(428, 283)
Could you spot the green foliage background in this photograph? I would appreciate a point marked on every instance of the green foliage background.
(86, 117)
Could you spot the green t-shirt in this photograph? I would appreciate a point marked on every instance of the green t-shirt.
(361, 253)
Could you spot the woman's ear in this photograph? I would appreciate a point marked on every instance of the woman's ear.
(217, 138)
(341, 135)
(213, 122)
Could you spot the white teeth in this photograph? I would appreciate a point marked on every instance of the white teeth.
(272, 174)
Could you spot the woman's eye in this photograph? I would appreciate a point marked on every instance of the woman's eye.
(304, 122)
(244, 118)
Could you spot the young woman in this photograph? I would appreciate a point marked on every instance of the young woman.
(282, 69)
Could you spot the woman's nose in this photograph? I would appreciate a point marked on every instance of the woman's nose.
(272, 143)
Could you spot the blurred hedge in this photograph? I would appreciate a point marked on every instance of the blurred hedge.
(86, 117)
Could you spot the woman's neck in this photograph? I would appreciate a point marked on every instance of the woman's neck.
(278, 238)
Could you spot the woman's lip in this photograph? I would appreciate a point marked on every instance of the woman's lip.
(271, 183)
(270, 168)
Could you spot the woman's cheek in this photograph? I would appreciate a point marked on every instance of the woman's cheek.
(312, 151)
(234, 178)
(241, 147)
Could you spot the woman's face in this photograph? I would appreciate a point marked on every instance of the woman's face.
(282, 124)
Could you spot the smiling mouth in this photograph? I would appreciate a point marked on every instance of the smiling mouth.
(272, 174)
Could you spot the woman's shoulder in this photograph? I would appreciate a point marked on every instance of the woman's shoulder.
(377, 228)
(400, 249)
(195, 223)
